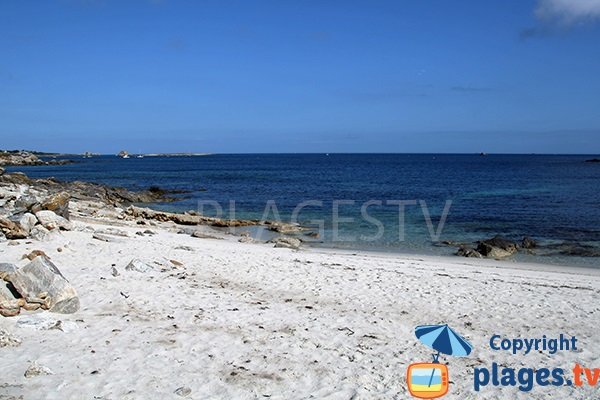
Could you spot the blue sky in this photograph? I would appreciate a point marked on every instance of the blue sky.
(512, 76)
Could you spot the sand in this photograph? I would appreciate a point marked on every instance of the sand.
(231, 320)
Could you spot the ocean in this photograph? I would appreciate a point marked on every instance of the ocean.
(551, 198)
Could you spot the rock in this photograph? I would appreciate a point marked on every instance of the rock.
(38, 321)
(284, 228)
(12, 230)
(572, 249)
(16, 178)
(2, 171)
(176, 263)
(40, 233)
(105, 238)
(138, 266)
(465, 251)
(9, 304)
(19, 158)
(202, 235)
(593, 160)
(37, 370)
(34, 254)
(184, 248)
(41, 282)
(183, 391)
(10, 311)
(6, 270)
(59, 203)
(493, 252)
(246, 239)
(528, 243)
(114, 271)
(113, 232)
(8, 340)
(186, 219)
(2, 237)
(50, 220)
(26, 202)
(27, 222)
(497, 247)
(287, 242)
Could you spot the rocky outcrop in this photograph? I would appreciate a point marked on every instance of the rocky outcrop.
(186, 219)
(60, 193)
(18, 158)
(497, 247)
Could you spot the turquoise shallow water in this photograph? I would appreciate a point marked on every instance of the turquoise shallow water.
(553, 198)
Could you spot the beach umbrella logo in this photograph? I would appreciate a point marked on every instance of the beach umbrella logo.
(430, 380)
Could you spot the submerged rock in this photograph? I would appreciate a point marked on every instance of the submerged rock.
(528, 243)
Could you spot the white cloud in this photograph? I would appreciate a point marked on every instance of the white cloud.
(568, 11)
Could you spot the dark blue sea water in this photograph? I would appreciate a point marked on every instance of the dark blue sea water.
(553, 198)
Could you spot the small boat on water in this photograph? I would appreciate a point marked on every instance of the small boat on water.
(140, 156)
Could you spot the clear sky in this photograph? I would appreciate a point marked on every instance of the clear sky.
(513, 76)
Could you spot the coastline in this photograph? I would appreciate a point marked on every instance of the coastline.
(552, 249)
(225, 319)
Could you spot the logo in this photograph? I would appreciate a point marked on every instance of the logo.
(430, 380)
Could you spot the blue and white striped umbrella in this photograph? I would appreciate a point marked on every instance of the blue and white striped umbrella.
(443, 339)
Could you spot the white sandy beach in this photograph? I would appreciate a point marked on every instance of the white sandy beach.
(248, 321)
